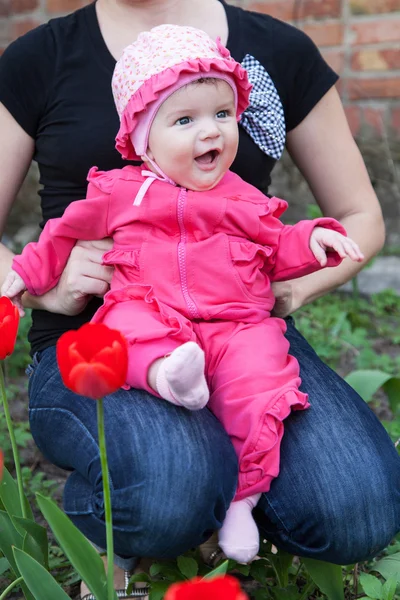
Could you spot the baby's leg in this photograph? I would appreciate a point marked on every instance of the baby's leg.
(163, 358)
(179, 377)
(239, 536)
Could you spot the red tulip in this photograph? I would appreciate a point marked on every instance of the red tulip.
(93, 360)
(219, 588)
(9, 320)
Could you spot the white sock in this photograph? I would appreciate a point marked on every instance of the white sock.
(181, 379)
(239, 537)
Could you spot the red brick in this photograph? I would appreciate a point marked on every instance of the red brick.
(63, 6)
(4, 8)
(353, 114)
(280, 10)
(374, 119)
(395, 120)
(21, 6)
(22, 26)
(291, 10)
(372, 7)
(379, 30)
(382, 87)
(335, 59)
(325, 34)
(371, 59)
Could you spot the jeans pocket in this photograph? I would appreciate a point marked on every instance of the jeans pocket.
(30, 369)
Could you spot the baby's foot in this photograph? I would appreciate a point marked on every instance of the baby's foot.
(181, 379)
(239, 537)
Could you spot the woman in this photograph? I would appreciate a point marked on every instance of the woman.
(334, 499)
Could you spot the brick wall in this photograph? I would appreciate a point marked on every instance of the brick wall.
(359, 38)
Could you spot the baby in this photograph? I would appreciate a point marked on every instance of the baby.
(195, 251)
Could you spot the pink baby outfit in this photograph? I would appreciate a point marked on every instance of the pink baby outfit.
(196, 266)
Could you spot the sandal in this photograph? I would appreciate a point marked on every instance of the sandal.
(142, 592)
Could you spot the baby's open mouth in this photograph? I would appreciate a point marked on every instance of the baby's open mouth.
(207, 158)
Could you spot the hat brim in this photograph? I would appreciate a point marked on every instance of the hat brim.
(152, 87)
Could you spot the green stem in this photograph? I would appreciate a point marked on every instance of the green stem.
(107, 500)
(10, 587)
(13, 443)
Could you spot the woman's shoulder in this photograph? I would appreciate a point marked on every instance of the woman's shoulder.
(49, 36)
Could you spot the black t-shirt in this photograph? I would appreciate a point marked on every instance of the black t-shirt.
(56, 82)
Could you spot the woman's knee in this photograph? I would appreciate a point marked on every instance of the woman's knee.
(345, 522)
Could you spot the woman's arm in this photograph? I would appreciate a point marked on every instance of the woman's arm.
(325, 152)
(84, 275)
(16, 152)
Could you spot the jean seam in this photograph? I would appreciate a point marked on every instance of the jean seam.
(288, 533)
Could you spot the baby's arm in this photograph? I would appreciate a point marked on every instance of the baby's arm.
(41, 263)
(322, 239)
(13, 287)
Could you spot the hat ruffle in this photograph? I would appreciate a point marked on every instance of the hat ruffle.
(152, 87)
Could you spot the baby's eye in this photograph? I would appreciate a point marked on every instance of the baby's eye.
(222, 114)
(183, 121)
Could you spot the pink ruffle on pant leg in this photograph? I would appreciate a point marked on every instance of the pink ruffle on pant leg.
(254, 386)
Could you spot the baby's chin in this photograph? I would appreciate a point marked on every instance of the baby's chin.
(202, 186)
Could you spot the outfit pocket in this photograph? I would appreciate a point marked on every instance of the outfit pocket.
(249, 261)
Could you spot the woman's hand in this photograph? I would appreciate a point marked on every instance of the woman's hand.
(84, 277)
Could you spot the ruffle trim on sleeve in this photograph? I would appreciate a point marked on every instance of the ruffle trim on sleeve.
(259, 462)
(277, 206)
(151, 88)
(103, 180)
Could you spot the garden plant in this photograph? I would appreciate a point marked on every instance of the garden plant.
(43, 555)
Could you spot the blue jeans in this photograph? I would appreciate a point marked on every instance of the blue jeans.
(173, 472)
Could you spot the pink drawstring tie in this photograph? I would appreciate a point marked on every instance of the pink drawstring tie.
(150, 178)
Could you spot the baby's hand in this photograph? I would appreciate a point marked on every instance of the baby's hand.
(322, 239)
(13, 287)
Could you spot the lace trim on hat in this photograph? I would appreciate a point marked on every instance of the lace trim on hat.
(150, 89)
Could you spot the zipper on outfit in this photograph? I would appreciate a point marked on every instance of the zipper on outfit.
(191, 305)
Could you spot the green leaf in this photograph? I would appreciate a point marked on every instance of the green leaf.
(291, 592)
(9, 497)
(158, 589)
(281, 561)
(187, 566)
(388, 567)
(238, 568)
(9, 537)
(166, 569)
(39, 535)
(39, 581)
(367, 382)
(389, 589)
(326, 576)
(78, 549)
(220, 570)
(258, 570)
(4, 565)
(392, 390)
(371, 586)
(138, 577)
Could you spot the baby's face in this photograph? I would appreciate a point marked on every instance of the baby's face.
(194, 136)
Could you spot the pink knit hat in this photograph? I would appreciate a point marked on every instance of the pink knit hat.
(160, 62)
